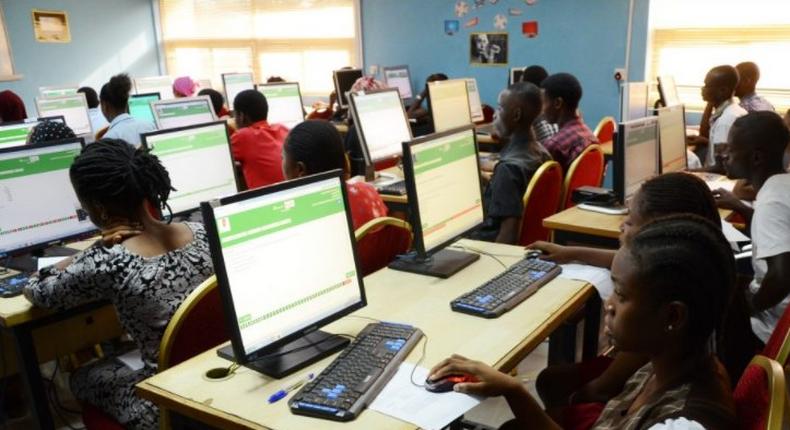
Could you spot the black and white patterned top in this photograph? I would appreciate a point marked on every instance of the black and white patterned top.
(145, 291)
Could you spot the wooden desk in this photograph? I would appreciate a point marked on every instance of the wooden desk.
(240, 402)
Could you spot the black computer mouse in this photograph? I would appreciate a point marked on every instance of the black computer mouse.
(443, 385)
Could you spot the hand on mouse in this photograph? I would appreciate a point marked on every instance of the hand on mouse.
(551, 251)
(491, 381)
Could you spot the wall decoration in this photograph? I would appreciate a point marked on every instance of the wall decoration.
(488, 49)
(451, 26)
(479, 3)
(514, 11)
(529, 28)
(530, 2)
(494, 1)
(461, 9)
(51, 26)
(472, 22)
(500, 22)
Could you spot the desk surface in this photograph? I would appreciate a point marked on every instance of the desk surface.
(240, 401)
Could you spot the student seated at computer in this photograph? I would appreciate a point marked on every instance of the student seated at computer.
(12, 108)
(218, 104)
(315, 146)
(422, 115)
(184, 86)
(144, 266)
(542, 128)
(665, 308)
(98, 121)
(561, 95)
(114, 97)
(746, 91)
(48, 131)
(519, 105)
(351, 142)
(257, 145)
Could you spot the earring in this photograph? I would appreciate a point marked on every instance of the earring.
(669, 327)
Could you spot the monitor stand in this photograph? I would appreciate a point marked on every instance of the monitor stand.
(442, 264)
(293, 356)
(28, 263)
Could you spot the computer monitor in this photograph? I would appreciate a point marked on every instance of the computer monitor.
(286, 265)
(635, 156)
(73, 108)
(672, 138)
(399, 77)
(475, 106)
(515, 75)
(55, 91)
(155, 84)
(381, 123)
(445, 200)
(449, 101)
(204, 84)
(38, 206)
(181, 112)
(198, 159)
(234, 83)
(668, 90)
(16, 133)
(633, 101)
(285, 103)
(344, 79)
(140, 106)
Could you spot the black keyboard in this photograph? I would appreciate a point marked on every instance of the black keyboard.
(358, 374)
(394, 189)
(13, 285)
(507, 289)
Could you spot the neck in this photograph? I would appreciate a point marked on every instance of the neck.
(565, 117)
(522, 134)
(674, 365)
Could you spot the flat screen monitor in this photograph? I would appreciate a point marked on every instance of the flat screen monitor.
(155, 84)
(55, 91)
(270, 297)
(73, 108)
(381, 123)
(515, 75)
(285, 103)
(672, 138)
(449, 101)
(668, 90)
(181, 112)
(399, 77)
(16, 133)
(38, 206)
(234, 83)
(198, 159)
(140, 106)
(475, 106)
(344, 79)
(633, 104)
(635, 156)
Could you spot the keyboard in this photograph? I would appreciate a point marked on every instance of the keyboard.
(507, 289)
(395, 189)
(358, 374)
(13, 285)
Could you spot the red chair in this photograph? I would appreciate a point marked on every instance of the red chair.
(760, 396)
(94, 418)
(605, 134)
(541, 200)
(380, 240)
(586, 169)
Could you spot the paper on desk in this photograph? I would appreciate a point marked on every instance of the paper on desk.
(724, 183)
(132, 359)
(49, 261)
(403, 400)
(733, 234)
(599, 277)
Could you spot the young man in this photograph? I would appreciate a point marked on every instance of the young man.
(561, 95)
(756, 145)
(519, 105)
(257, 145)
(543, 129)
(746, 91)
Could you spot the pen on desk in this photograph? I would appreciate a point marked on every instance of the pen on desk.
(284, 392)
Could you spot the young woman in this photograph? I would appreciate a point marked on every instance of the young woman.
(672, 281)
(48, 131)
(114, 98)
(145, 267)
(315, 146)
(12, 108)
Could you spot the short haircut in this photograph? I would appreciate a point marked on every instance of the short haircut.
(565, 86)
(317, 144)
(90, 96)
(765, 130)
(726, 76)
(748, 69)
(253, 104)
(526, 94)
(217, 101)
(534, 74)
(676, 193)
(116, 92)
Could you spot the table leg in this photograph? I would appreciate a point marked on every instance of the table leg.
(592, 324)
(31, 374)
(562, 345)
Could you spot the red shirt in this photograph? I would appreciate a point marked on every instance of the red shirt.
(365, 203)
(259, 149)
(569, 142)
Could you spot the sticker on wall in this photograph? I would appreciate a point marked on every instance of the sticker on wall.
(479, 3)
(461, 9)
(514, 11)
(472, 22)
(451, 26)
(488, 49)
(530, 2)
(529, 29)
(494, 1)
(500, 22)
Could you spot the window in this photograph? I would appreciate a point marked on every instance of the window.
(689, 38)
(298, 40)
(6, 61)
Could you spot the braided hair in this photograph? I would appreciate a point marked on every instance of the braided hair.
(674, 193)
(317, 144)
(120, 177)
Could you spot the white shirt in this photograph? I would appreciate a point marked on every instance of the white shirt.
(720, 123)
(677, 424)
(770, 237)
(98, 121)
(692, 161)
(128, 128)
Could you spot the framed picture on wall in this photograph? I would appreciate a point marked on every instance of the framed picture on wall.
(488, 49)
(51, 26)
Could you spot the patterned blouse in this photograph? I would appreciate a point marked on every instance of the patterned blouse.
(145, 291)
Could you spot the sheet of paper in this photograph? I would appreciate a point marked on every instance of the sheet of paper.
(49, 261)
(727, 184)
(132, 359)
(599, 277)
(733, 234)
(430, 411)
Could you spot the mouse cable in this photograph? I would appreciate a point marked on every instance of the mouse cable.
(481, 252)
(422, 357)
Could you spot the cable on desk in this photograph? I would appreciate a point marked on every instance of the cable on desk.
(422, 357)
(481, 252)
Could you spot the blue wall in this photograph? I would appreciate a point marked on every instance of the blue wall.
(583, 37)
(107, 37)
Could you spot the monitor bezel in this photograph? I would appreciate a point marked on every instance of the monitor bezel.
(33, 121)
(84, 100)
(55, 88)
(164, 102)
(207, 209)
(228, 101)
(136, 81)
(618, 157)
(279, 84)
(662, 91)
(341, 95)
(682, 108)
(482, 116)
(142, 95)
(361, 133)
(408, 73)
(435, 84)
(513, 71)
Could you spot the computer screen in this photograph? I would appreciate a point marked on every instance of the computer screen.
(155, 84)
(475, 106)
(183, 112)
(636, 156)
(672, 138)
(449, 102)
(199, 162)
(38, 205)
(140, 106)
(16, 133)
(73, 108)
(235, 83)
(381, 122)
(63, 90)
(633, 104)
(344, 80)
(270, 295)
(285, 103)
(444, 178)
(515, 75)
(668, 90)
(399, 77)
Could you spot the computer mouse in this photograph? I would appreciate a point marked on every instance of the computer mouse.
(532, 254)
(447, 383)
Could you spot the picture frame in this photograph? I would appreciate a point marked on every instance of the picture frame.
(488, 49)
(50, 26)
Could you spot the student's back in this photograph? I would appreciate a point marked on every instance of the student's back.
(114, 98)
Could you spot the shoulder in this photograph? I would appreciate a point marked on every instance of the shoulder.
(734, 111)
(359, 189)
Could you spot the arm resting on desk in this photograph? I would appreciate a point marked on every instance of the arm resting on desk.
(775, 286)
(84, 279)
(567, 254)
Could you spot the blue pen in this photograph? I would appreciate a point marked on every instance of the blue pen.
(284, 392)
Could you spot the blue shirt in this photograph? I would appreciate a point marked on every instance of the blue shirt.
(128, 128)
(754, 103)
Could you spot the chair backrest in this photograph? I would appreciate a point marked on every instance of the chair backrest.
(541, 200)
(380, 240)
(586, 169)
(760, 396)
(778, 345)
(605, 130)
